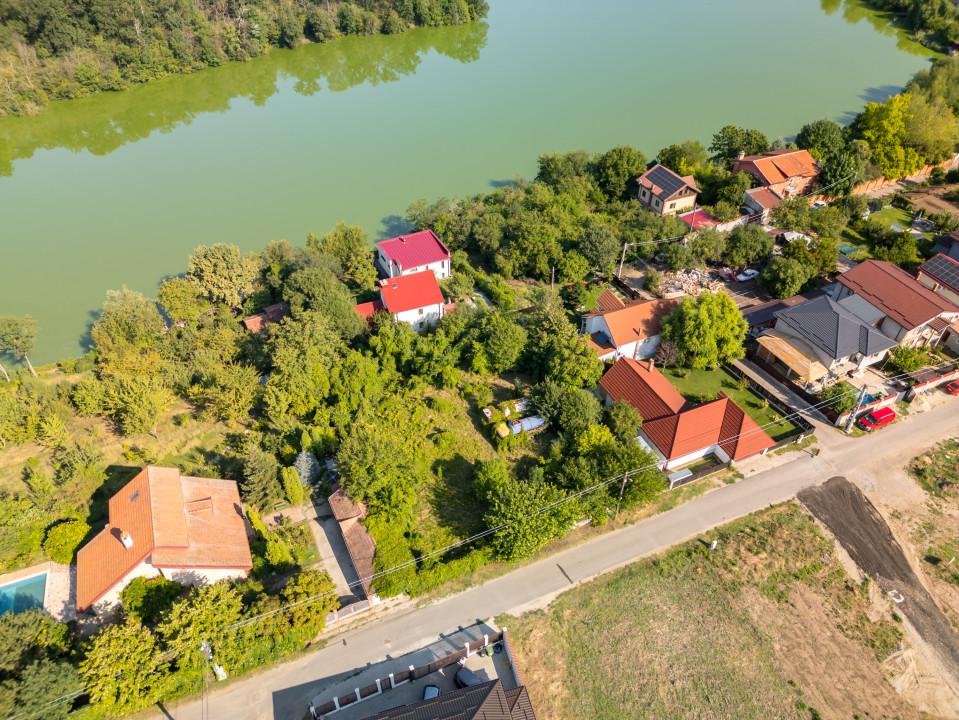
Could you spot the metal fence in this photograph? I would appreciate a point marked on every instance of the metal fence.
(793, 387)
(394, 680)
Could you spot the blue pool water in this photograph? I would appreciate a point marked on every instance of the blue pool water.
(23, 594)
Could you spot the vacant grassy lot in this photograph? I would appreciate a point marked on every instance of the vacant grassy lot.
(937, 473)
(767, 626)
(705, 384)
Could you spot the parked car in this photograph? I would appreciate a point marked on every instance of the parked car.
(747, 275)
(465, 678)
(430, 692)
(818, 204)
(877, 418)
(953, 388)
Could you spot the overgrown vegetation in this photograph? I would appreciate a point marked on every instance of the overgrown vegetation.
(51, 50)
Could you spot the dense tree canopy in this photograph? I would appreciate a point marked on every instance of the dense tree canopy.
(708, 330)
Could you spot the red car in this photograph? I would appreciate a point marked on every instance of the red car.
(877, 418)
(953, 388)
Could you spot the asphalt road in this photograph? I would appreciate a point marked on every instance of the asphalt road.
(284, 692)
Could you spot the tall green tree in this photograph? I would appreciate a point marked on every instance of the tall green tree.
(312, 596)
(136, 403)
(708, 330)
(126, 335)
(708, 246)
(600, 245)
(684, 158)
(747, 244)
(123, 671)
(823, 138)
(17, 336)
(261, 485)
(931, 128)
(205, 616)
(182, 300)
(730, 141)
(351, 247)
(616, 171)
(883, 126)
(785, 276)
(554, 349)
(521, 507)
(224, 273)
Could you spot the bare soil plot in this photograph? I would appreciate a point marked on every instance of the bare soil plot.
(933, 200)
(864, 534)
(767, 626)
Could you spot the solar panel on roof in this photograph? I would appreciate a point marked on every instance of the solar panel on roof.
(944, 270)
(666, 179)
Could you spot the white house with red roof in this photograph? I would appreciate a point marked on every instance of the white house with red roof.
(409, 254)
(415, 299)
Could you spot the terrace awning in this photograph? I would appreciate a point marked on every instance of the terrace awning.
(794, 354)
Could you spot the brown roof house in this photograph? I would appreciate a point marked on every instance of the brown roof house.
(486, 701)
(190, 530)
(270, 314)
(359, 543)
(785, 172)
(895, 303)
(617, 329)
(677, 431)
(664, 192)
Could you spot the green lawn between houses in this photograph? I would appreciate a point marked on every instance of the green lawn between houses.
(887, 216)
(700, 384)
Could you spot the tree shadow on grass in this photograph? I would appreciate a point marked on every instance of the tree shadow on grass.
(116, 477)
(453, 498)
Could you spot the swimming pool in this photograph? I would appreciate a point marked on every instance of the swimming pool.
(23, 594)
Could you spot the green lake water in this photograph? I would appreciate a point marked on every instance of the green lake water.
(119, 188)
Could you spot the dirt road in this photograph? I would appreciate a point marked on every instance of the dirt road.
(864, 534)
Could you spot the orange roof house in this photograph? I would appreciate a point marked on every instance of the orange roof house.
(626, 330)
(190, 530)
(678, 431)
(784, 172)
(270, 314)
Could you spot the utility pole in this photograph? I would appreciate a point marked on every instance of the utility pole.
(622, 489)
(552, 278)
(852, 416)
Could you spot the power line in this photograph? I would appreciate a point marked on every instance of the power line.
(262, 616)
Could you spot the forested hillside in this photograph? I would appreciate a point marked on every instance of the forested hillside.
(56, 49)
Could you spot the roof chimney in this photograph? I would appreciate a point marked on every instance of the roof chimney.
(742, 154)
(126, 540)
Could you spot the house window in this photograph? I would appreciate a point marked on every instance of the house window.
(420, 311)
(657, 203)
(672, 205)
(645, 193)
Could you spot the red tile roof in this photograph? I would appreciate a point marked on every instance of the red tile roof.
(896, 293)
(359, 542)
(766, 198)
(605, 302)
(778, 166)
(177, 521)
(638, 320)
(410, 251)
(271, 314)
(410, 292)
(720, 422)
(643, 387)
(369, 309)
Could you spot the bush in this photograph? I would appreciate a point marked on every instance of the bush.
(841, 397)
(64, 539)
(654, 279)
(149, 600)
(292, 486)
(909, 359)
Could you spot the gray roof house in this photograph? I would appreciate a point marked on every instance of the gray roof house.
(821, 340)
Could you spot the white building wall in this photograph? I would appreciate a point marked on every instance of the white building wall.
(685, 459)
(440, 269)
(930, 283)
(198, 577)
(421, 317)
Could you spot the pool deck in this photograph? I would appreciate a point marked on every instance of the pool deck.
(60, 592)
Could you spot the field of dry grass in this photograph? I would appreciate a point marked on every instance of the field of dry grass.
(767, 626)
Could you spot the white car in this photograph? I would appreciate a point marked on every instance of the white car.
(818, 204)
(747, 275)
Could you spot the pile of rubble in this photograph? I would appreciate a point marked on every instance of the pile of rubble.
(692, 282)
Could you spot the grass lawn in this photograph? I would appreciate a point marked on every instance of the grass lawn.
(887, 217)
(767, 626)
(703, 383)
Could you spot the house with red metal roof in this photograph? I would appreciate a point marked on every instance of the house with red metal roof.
(186, 529)
(675, 430)
(897, 304)
(626, 330)
(664, 192)
(785, 172)
(409, 254)
(415, 299)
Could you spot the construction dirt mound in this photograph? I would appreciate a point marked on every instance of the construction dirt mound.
(864, 534)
